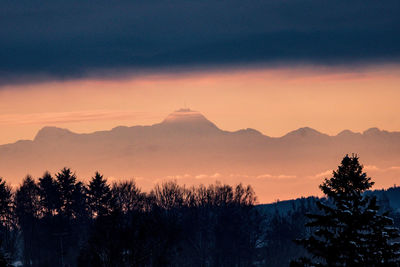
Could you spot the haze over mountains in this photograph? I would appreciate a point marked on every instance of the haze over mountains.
(189, 148)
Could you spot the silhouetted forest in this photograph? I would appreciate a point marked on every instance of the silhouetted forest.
(60, 221)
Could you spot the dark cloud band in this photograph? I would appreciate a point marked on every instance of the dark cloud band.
(71, 39)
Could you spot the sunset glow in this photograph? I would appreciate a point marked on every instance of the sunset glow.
(273, 101)
(199, 133)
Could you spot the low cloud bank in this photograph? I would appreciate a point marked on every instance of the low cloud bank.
(69, 40)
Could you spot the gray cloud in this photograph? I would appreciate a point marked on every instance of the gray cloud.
(71, 39)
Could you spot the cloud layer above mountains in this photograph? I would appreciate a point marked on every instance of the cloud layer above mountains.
(72, 39)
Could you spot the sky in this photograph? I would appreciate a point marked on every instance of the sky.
(269, 65)
(273, 101)
(62, 40)
(274, 66)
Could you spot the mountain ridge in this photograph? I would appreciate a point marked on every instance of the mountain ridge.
(190, 148)
(187, 119)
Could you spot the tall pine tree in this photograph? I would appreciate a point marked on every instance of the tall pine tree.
(350, 231)
(27, 211)
(6, 222)
(49, 195)
(99, 196)
(66, 183)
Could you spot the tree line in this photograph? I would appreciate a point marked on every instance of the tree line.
(60, 221)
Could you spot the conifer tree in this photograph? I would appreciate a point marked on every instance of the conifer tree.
(99, 196)
(27, 212)
(350, 231)
(6, 221)
(49, 195)
(66, 182)
(5, 203)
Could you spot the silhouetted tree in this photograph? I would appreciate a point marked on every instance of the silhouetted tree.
(237, 229)
(169, 195)
(66, 186)
(7, 223)
(27, 211)
(71, 226)
(79, 202)
(49, 195)
(350, 231)
(176, 226)
(99, 196)
(127, 197)
(5, 203)
(378, 244)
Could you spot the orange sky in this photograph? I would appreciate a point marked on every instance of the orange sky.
(273, 101)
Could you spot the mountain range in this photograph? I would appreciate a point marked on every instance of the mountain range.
(189, 148)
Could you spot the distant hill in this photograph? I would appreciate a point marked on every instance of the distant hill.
(388, 200)
(188, 147)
